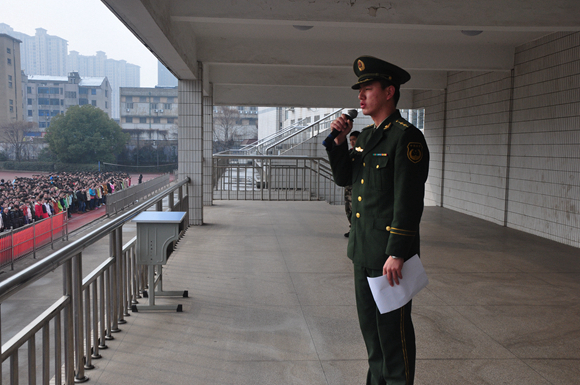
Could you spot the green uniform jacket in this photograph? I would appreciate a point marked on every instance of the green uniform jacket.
(387, 172)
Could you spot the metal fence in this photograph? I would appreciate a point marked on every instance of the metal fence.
(129, 196)
(73, 330)
(28, 239)
(268, 177)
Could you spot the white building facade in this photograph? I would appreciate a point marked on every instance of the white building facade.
(41, 54)
(118, 72)
(49, 96)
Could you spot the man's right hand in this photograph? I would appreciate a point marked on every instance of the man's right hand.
(342, 124)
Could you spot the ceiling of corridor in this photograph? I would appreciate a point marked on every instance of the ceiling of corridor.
(300, 52)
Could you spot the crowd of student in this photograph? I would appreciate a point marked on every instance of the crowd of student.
(24, 200)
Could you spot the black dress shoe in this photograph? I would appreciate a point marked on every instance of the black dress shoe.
(346, 234)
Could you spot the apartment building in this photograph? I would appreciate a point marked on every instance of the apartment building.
(10, 80)
(49, 96)
(149, 113)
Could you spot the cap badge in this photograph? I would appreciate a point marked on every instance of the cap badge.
(415, 152)
(361, 65)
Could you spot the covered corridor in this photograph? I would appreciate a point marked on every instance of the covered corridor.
(271, 301)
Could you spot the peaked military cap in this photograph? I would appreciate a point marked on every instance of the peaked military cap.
(368, 68)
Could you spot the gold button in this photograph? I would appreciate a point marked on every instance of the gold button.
(358, 215)
(362, 181)
(377, 166)
(359, 199)
(364, 164)
(388, 228)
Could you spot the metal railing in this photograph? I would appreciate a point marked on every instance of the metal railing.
(81, 321)
(127, 197)
(269, 177)
(289, 137)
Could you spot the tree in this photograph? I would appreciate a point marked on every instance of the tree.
(85, 134)
(14, 133)
(226, 126)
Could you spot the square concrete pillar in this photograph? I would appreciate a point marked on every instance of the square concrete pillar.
(207, 150)
(190, 145)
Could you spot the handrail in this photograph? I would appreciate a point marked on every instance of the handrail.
(24, 278)
(328, 117)
(283, 135)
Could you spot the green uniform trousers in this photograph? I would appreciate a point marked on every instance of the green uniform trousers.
(389, 337)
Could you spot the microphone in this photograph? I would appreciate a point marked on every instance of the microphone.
(329, 141)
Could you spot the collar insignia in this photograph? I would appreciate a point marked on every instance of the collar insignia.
(358, 149)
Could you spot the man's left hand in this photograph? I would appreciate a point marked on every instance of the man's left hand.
(392, 269)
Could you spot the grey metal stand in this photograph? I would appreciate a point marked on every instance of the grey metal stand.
(158, 292)
(155, 233)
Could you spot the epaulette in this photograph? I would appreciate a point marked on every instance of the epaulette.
(402, 124)
(369, 126)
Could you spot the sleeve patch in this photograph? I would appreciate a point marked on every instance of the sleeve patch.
(415, 152)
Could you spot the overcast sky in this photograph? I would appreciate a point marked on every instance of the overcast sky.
(88, 26)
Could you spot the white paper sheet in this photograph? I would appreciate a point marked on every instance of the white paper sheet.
(390, 298)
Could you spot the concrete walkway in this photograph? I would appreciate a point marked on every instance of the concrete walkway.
(272, 302)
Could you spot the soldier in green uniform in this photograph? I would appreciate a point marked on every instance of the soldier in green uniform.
(348, 189)
(387, 172)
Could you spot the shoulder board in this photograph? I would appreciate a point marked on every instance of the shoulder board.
(369, 126)
(402, 124)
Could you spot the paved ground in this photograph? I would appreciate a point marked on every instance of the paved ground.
(272, 302)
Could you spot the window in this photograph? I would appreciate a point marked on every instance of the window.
(8, 50)
(129, 105)
(28, 90)
(42, 124)
(106, 105)
(153, 106)
(29, 102)
(82, 102)
(156, 120)
(170, 120)
(43, 90)
(11, 108)
(9, 84)
(170, 100)
(167, 106)
(93, 91)
(29, 112)
(156, 99)
(142, 120)
(11, 102)
(106, 93)
(9, 61)
(43, 101)
(70, 94)
(128, 120)
(9, 77)
(142, 99)
(54, 102)
(83, 91)
(54, 112)
(94, 102)
(43, 113)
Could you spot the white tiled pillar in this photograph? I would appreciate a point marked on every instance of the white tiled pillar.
(190, 145)
(207, 150)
